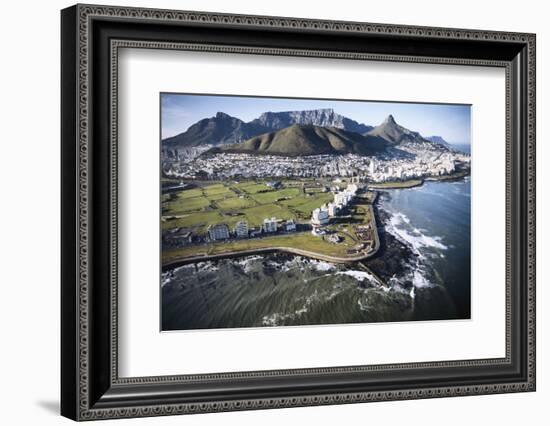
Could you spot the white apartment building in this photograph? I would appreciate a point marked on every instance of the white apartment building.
(218, 232)
(270, 225)
(343, 198)
(320, 217)
(241, 229)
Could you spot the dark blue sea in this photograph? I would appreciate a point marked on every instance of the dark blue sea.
(434, 221)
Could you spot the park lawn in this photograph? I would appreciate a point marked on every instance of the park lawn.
(216, 189)
(221, 196)
(302, 240)
(256, 215)
(190, 193)
(217, 203)
(273, 196)
(235, 203)
(185, 205)
(199, 219)
(251, 187)
(313, 202)
(297, 201)
(315, 189)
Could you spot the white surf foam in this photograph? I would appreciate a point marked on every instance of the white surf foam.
(415, 238)
(321, 266)
(419, 280)
(358, 275)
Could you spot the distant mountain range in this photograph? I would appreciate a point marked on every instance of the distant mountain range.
(224, 129)
(295, 133)
(439, 140)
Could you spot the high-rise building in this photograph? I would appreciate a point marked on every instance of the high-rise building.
(241, 229)
(218, 232)
(320, 217)
(270, 225)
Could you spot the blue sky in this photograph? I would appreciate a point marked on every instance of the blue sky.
(452, 122)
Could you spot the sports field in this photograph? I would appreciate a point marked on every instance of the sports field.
(229, 203)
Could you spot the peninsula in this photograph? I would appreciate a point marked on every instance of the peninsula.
(302, 182)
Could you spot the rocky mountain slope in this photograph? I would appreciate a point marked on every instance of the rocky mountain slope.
(220, 129)
(225, 129)
(325, 117)
(307, 132)
(404, 139)
(439, 140)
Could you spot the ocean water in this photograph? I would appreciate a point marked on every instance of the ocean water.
(434, 221)
(466, 148)
(422, 273)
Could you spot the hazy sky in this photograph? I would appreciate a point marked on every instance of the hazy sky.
(452, 122)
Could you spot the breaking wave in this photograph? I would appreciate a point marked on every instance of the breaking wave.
(414, 237)
(358, 275)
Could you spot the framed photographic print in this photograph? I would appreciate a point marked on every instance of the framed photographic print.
(263, 212)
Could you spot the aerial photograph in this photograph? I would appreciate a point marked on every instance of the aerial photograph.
(292, 212)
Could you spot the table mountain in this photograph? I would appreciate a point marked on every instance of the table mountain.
(324, 117)
(307, 132)
(225, 129)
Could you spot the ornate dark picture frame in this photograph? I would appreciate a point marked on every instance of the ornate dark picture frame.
(90, 385)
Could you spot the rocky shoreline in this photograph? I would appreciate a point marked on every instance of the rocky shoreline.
(393, 256)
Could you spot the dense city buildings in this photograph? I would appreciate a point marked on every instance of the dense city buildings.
(368, 169)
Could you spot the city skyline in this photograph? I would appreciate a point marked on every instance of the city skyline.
(450, 121)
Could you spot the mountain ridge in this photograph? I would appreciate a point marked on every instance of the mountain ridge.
(324, 117)
(439, 140)
(303, 132)
(304, 140)
(225, 129)
(221, 128)
(394, 133)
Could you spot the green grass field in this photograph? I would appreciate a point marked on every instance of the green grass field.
(256, 215)
(273, 196)
(251, 187)
(303, 240)
(253, 201)
(235, 203)
(313, 202)
(185, 205)
(194, 220)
